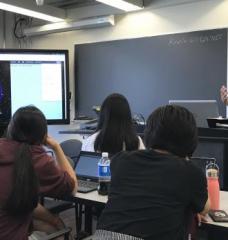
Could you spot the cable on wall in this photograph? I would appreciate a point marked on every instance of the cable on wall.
(21, 22)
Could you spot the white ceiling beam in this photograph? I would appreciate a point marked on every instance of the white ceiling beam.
(92, 11)
(103, 21)
(30, 8)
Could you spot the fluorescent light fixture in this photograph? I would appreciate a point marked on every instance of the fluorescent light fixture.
(126, 5)
(35, 11)
(69, 26)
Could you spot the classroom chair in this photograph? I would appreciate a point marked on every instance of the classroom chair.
(71, 149)
(65, 232)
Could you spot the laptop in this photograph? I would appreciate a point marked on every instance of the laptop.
(201, 109)
(86, 171)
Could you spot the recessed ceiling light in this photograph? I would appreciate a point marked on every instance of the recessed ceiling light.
(126, 5)
(28, 12)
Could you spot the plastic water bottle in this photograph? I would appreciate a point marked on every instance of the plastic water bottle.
(104, 174)
(212, 172)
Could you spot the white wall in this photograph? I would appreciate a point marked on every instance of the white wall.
(10, 41)
(206, 14)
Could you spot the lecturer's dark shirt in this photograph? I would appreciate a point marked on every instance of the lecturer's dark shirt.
(151, 195)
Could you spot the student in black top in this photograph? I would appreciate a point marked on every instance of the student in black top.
(152, 191)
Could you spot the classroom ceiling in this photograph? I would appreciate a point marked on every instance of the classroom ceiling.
(70, 3)
(79, 3)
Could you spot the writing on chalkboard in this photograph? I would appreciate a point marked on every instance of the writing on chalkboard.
(197, 39)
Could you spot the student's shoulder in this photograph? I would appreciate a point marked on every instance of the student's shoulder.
(88, 143)
(92, 136)
(192, 170)
(39, 150)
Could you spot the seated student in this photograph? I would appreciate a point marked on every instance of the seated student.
(115, 131)
(26, 170)
(153, 191)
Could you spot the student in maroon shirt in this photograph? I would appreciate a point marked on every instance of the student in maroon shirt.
(26, 170)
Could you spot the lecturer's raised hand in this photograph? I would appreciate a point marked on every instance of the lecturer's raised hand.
(223, 94)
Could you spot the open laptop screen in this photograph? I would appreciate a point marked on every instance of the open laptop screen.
(87, 165)
(201, 109)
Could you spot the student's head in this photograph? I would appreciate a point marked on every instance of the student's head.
(172, 128)
(114, 110)
(28, 125)
(115, 126)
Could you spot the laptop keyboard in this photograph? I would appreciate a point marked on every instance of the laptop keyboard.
(86, 186)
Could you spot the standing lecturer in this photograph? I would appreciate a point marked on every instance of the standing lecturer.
(223, 94)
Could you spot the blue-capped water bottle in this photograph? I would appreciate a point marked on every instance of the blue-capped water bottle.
(104, 174)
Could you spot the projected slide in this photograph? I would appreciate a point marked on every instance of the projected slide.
(37, 83)
(34, 77)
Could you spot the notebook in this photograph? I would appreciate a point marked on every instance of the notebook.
(201, 109)
(86, 171)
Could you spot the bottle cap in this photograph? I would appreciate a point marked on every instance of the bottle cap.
(213, 173)
(104, 154)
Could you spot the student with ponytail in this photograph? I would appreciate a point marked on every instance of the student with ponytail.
(26, 171)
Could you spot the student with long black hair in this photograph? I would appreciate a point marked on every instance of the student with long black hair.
(115, 131)
(26, 170)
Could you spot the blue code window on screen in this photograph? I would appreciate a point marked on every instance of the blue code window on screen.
(40, 86)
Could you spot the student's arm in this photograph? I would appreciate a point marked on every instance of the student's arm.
(202, 215)
(198, 193)
(61, 159)
(206, 208)
(47, 220)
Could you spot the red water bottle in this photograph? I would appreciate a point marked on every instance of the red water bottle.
(212, 171)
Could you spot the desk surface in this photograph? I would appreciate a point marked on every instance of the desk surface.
(53, 130)
(223, 206)
(92, 196)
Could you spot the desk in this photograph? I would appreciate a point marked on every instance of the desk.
(93, 197)
(92, 201)
(216, 230)
(53, 130)
(223, 206)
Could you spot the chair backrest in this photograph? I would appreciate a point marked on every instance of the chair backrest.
(108, 235)
(72, 148)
